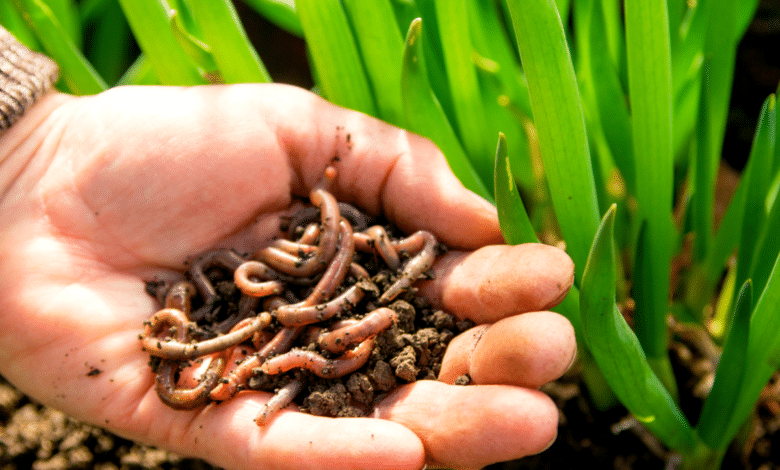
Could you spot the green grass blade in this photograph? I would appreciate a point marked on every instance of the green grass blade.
(512, 217)
(228, 43)
(425, 116)
(618, 352)
(610, 98)
(470, 117)
(67, 13)
(152, 29)
(282, 13)
(720, 404)
(335, 56)
(763, 350)
(757, 179)
(75, 71)
(382, 47)
(725, 25)
(558, 116)
(650, 91)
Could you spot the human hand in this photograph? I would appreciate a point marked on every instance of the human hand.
(100, 194)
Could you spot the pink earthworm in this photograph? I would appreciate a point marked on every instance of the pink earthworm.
(245, 274)
(283, 397)
(348, 332)
(280, 343)
(179, 296)
(179, 350)
(414, 267)
(331, 279)
(303, 267)
(338, 268)
(298, 314)
(348, 362)
(307, 215)
(298, 248)
(310, 234)
(188, 398)
(375, 240)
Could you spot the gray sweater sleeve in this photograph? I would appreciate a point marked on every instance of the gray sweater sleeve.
(24, 77)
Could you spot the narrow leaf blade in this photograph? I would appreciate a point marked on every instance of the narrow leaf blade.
(425, 116)
(617, 351)
(515, 225)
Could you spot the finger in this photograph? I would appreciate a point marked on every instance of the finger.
(495, 282)
(227, 436)
(528, 350)
(474, 426)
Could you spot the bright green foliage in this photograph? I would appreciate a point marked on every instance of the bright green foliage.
(596, 102)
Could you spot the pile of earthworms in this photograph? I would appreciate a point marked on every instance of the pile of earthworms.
(296, 310)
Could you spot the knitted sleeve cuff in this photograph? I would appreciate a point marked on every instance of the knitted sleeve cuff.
(24, 77)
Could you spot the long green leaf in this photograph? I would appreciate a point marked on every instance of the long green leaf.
(77, 73)
(504, 90)
(610, 98)
(618, 352)
(757, 179)
(719, 406)
(335, 56)
(152, 29)
(228, 43)
(425, 116)
(763, 350)
(382, 47)
(67, 13)
(558, 116)
(470, 118)
(515, 225)
(650, 91)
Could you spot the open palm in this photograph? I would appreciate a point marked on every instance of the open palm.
(100, 194)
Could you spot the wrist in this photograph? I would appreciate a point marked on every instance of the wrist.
(25, 77)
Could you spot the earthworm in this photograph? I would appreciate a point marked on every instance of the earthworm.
(414, 267)
(173, 318)
(188, 398)
(297, 314)
(375, 240)
(249, 270)
(338, 268)
(331, 279)
(348, 362)
(304, 217)
(179, 296)
(329, 234)
(298, 248)
(283, 397)
(180, 350)
(349, 332)
(279, 344)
